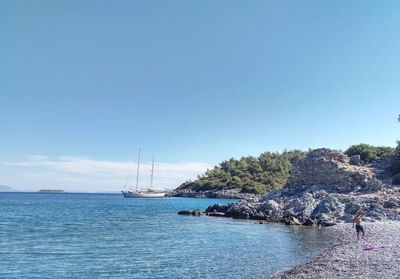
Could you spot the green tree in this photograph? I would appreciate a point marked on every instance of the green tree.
(369, 153)
(395, 163)
(249, 174)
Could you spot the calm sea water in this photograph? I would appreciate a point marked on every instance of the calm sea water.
(106, 236)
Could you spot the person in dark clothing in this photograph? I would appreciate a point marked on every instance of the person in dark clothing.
(357, 222)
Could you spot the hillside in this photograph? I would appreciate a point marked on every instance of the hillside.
(255, 175)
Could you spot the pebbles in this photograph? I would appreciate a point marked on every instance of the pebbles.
(346, 258)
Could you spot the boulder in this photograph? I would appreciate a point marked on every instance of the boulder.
(328, 210)
(352, 207)
(355, 160)
(185, 212)
(271, 205)
(196, 212)
(291, 220)
(217, 208)
(326, 220)
(391, 203)
(241, 210)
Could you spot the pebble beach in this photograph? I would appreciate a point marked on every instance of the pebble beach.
(346, 257)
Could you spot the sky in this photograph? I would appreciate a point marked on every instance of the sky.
(84, 84)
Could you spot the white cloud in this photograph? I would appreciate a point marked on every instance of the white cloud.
(84, 174)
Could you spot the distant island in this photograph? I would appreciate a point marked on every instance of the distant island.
(51, 191)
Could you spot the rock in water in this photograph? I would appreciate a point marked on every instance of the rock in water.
(184, 212)
(196, 212)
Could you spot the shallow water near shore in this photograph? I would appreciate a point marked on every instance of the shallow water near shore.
(104, 235)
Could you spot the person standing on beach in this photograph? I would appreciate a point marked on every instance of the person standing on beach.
(357, 221)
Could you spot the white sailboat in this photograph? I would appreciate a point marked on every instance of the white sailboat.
(144, 193)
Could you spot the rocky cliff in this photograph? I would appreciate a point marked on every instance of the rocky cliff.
(324, 188)
(328, 170)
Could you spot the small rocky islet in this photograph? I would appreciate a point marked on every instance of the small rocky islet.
(324, 189)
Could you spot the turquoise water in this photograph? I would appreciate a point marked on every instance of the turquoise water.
(44, 235)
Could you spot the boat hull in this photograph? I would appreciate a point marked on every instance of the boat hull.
(130, 194)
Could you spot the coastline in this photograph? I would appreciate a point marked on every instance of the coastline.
(346, 258)
(326, 188)
(215, 194)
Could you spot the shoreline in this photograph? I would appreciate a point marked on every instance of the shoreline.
(215, 194)
(346, 257)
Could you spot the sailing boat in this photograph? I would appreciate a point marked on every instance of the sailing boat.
(144, 193)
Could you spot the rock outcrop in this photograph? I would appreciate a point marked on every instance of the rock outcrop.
(196, 212)
(324, 188)
(331, 171)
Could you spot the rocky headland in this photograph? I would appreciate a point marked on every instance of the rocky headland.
(325, 188)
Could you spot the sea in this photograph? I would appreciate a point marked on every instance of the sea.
(74, 235)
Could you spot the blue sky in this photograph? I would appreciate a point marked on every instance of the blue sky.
(83, 84)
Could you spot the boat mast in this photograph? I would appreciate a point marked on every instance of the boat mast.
(152, 171)
(137, 174)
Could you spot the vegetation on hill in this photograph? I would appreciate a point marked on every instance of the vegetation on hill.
(369, 153)
(395, 163)
(250, 174)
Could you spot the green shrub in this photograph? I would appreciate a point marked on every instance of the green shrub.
(394, 167)
(395, 162)
(369, 153)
